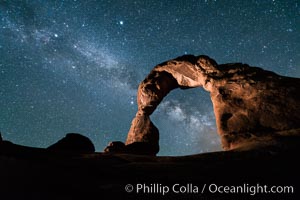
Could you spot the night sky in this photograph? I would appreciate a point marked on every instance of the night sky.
(74, 66)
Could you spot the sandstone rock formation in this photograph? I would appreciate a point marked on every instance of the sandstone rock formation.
(253, 107)
(73, 143)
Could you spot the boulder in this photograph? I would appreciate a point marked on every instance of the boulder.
(115, 147)
(140, 148)
(73, 143)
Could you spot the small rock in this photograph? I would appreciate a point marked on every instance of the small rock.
(142, 148)
(115, 147)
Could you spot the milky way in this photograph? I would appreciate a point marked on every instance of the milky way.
(74, 66)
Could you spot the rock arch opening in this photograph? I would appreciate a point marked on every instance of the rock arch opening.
(186, 123)
(183, 72)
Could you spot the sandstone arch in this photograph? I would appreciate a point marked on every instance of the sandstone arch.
(252, 106)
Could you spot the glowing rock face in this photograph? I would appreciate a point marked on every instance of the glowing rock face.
(253, 107)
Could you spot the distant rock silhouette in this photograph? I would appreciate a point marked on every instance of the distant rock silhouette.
(73, 143)
(253, 107)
